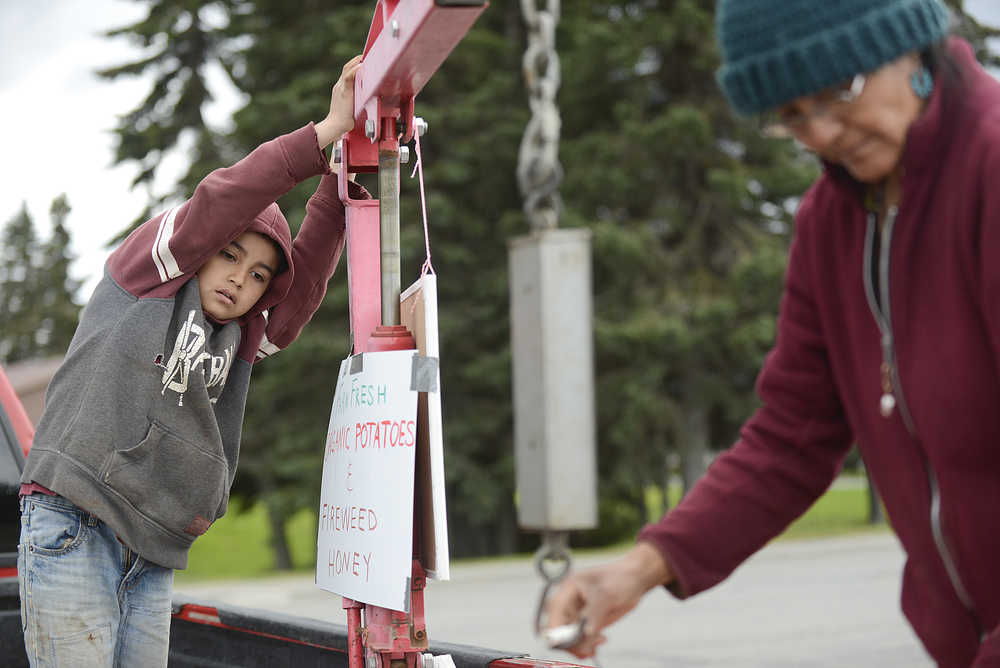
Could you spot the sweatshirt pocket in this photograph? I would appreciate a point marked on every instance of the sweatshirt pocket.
(170, 480)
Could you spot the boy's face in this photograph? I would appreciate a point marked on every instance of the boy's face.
(232, 281)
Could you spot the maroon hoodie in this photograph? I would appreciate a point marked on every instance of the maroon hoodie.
(931, 311)
(142, 421)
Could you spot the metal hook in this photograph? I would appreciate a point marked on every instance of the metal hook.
(552, 560)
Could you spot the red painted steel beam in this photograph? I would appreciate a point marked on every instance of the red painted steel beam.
(407, 43)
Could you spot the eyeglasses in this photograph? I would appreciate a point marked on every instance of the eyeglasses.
(828, 101)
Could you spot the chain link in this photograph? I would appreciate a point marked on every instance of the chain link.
(539, 173)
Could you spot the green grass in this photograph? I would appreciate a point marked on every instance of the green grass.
(838, 511)
(843, 509)
(237, 545)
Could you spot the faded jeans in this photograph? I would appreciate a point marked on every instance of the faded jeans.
(86, 599)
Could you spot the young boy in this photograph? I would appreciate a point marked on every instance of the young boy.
(136, 451)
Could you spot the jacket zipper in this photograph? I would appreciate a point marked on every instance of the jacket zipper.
(893, 389)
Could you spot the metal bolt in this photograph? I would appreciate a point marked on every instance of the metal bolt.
(404, 154)
(395, 28)
(420, 125)
(338, 154)
(370, 129)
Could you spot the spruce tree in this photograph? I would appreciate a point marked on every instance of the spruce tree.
(57, 289)
(37, 304)
(178, 38)
(17, 287)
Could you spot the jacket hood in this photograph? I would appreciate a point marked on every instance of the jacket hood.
(271, 223)
(931, 132)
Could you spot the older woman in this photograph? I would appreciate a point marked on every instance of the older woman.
(889, 332)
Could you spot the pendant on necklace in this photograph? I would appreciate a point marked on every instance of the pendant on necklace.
(887, 404)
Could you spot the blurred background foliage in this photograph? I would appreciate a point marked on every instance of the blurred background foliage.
(38, 306)
(691, 211)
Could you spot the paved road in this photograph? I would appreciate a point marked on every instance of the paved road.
(809, 603)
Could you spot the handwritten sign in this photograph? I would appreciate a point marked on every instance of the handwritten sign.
(365, 537)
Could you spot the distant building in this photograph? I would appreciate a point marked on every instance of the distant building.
(30, 379)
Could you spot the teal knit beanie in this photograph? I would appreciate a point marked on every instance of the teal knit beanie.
(774, 51)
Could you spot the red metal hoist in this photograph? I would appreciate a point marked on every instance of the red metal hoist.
(407, 42)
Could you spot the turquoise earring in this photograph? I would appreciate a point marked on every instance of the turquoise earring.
(922, 83)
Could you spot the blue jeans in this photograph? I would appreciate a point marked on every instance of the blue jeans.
(86, 599)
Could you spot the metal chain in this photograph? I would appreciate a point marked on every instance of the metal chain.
(539, 173)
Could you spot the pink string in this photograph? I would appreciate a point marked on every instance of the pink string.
(419, 168)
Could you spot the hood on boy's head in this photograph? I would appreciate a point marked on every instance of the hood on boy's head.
(271, 223)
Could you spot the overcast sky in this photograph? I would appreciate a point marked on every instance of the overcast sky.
(57, 117)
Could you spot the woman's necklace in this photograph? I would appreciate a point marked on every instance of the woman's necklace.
(882, 201)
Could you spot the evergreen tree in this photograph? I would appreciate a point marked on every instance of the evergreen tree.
(17, 283)
(56, 287)
(684, 202)
(978, 34)
(36, 292)
(179, 38)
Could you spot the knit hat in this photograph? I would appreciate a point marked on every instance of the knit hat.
(774, 51)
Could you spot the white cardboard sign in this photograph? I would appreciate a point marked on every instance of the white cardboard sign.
(365, 538)
(418, 309)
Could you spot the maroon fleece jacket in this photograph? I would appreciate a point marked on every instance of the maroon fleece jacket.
(936, 457)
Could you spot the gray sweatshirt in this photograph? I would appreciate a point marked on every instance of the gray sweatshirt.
(142, 421)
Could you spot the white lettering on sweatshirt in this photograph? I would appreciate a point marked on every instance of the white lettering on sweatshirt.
(188, 355)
